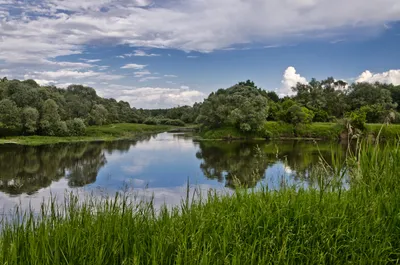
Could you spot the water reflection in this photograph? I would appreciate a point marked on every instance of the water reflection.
(160, 163)
(27, 169)
(247, 163)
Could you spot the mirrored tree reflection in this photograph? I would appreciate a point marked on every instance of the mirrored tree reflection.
(234, 163)
(26, 169)
(245, 163)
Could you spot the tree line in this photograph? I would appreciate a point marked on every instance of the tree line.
(27, 108)
(246, 106)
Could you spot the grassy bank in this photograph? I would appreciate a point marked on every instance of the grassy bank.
(325, 225)
(318, 130)
(93, 133)
(279, 130)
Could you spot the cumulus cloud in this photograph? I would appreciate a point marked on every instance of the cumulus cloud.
(150, 97)
(170, 76)
(389, 77)
(153, 97)
(290, 79)
(134, 66)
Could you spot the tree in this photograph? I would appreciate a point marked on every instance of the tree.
(49, 118)
(10, 116)
(98, 115)
(241, 106)
(298, 115)
(30, 118)
(76, 127)
(273, 96)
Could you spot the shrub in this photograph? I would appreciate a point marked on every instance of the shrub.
(76, 127)
(151, 121)
(61, 129)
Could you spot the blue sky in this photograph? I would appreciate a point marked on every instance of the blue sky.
(173, 52)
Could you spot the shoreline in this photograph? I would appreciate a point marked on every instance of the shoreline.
(106, 133)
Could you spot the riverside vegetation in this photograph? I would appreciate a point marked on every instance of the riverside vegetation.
(325, 109)
(350, 217)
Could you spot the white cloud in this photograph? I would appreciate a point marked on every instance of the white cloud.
(153, 97)
(142, 73)
(147, 78)
(389, 77)
(290, 79)
(141, 53)
(134, 66)
(44, 82)
(150, 97)
(185, 25)
(93, 60)
(170, 76)
(192, 56)
(70, 74)
(185, 87)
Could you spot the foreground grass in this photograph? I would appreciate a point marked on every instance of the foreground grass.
(325, 225)
(93, 133)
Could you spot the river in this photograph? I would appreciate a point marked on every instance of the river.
(158, 167)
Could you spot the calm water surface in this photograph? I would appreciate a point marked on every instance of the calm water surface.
(159, 166)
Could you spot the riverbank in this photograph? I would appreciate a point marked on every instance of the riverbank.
(331, 224)
(103, 133)
(314, 131)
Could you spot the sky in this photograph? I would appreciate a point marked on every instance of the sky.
(166, 53)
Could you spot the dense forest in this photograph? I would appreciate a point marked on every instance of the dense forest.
(27, 108)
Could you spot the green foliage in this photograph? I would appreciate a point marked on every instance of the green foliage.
(98, 115)
(61, 129)
(10, 116)
(298, 115)
(321, 116)
(358, 118)
(241, 106)
(176, 122)
(49, 118)
(278, 130)
(30, 118)
(223, 133)
(76, 127)
(151, 121)
(56, 105)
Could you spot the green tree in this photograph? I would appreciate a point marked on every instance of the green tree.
(241, 106)
(10, 115)
(49, 118)
(98, 115)
(30, 118)
(298, 115)
(76, 127)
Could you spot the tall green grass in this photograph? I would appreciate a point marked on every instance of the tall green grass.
(331, 223)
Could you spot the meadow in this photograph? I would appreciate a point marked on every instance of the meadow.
(351, 217)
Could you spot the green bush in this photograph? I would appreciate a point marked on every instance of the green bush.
(61, 129)
(76, 127)
(173, 122)
(151, 121)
